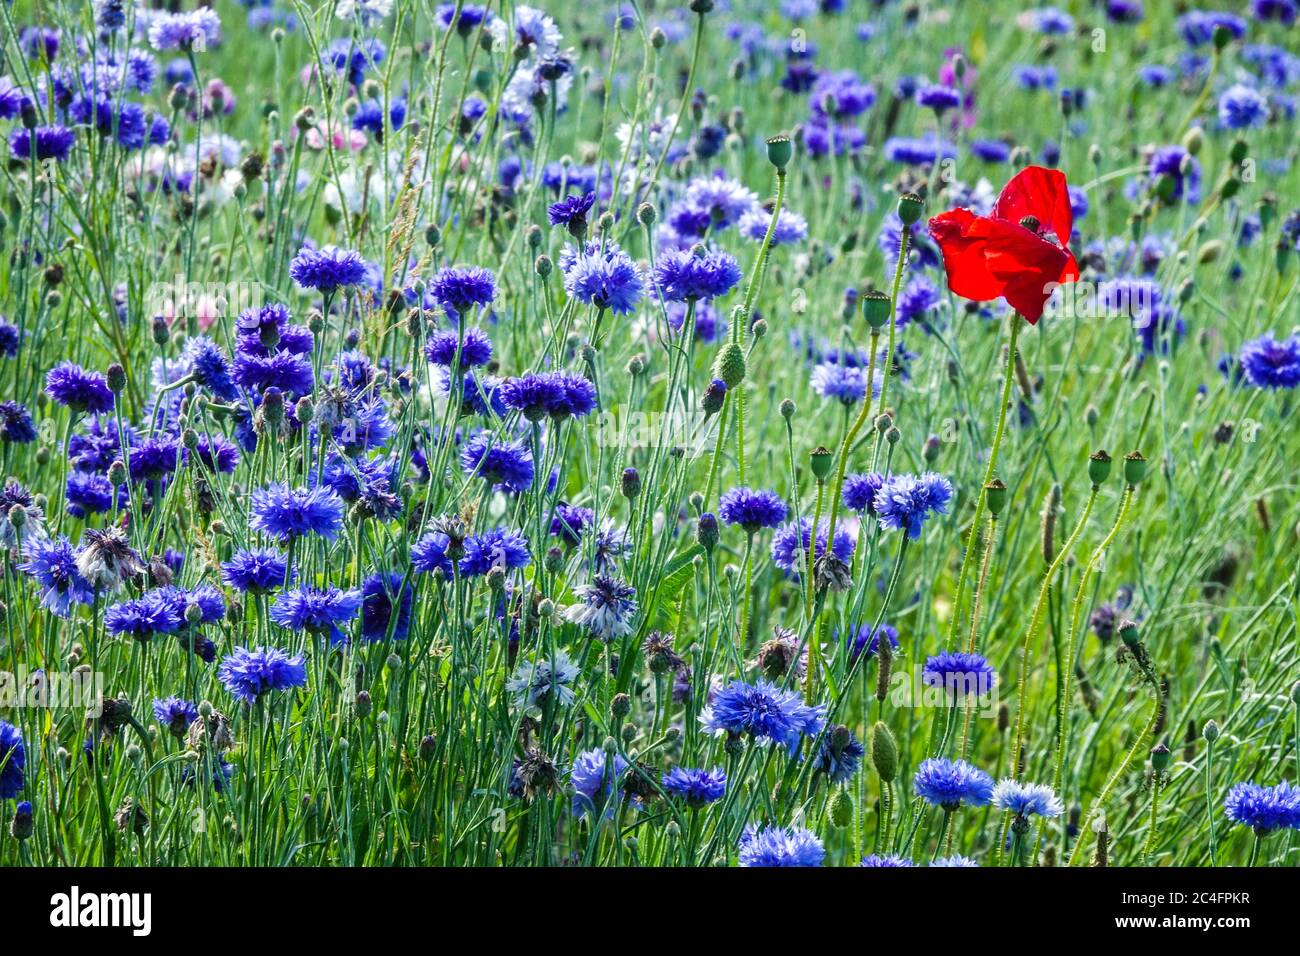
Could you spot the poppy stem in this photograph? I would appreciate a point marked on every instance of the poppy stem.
(989, 474)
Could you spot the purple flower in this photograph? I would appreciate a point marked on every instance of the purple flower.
(16, 423)
(697, 787)
(684, 275)
(959, 673)
(950, 783)
(1268, 363)
(860, 491)
(78, 389)
(1264, 809)
(175, 714)
(506, 465)
(905, 501)
(867, 639)
(571, 211)
(605, 277)
(764, 711)
(605, 608)
(188, 30)
(790, 548)
(316, 610)
(558, 395)
(287, 513)
(53, 564)
(255, 571)
(386, 603)
(752, 509)
(52, 142)
(328, 269)
(13, 758)
(777, 846)
(475, 348)
(458, 289)
(249, 674)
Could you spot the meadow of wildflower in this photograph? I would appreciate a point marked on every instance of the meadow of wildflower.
(636, 433)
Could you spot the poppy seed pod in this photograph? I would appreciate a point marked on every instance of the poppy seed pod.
(910, 208)
(995, 494)
(1135, 467)
(822, 459)
(1099, 467)
(876, 307)
(1160, 758)
(1128, 632)
(780, 150)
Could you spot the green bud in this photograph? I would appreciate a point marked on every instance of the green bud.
(1128, 633)
(1160, 757)
(842, 809)
(730, 365)
(995, 493)
(884, 751)
(1210, 731)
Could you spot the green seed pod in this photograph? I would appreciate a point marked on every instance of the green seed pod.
(822, 459)
(1160, 758)
(876, 307)
(780, 151)
(910, 208)
(995, 493)
(884, 751)
(1098, 467)
(1128, 633)
(1135, 467)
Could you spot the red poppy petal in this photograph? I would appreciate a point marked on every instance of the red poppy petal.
(964, 255)
(1041, 193)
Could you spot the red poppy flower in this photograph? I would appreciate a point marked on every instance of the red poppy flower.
(1018, 251)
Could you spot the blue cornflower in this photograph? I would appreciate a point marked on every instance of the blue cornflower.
(53, 563)
(535, 682)
(905, 501)
(845, 383)
(506, 465)
(569, 521)
(860, 491)
(143, 617)
(496, 548)
(752, 509)
(841, 95)
(778, 846)
(287, 513)
(316, 610)
(1030, 77)
(555, 394)
(684, 275)
(790, 545)
(175, 714)
(10, 339)
(790, 226)
(327, 269)
(13, 758)
(959, 673)
(429, 554)
(1026, 799)
(78, 389)
(990, 150)
(154, 458)
(764, 711)
(1264, 809)
(1051, 20)
(595, 776)
(1242, 107)
(216, 453)
(957, 860)
(248, 674)
(380, 593)
(290, 373)
(1198, 26)
(475, 348)
(459, 288)
(210, 368)
(1268, 363)
(571, 211)
(868, 639)
(602, 275)
(876, 860)
(605, 608)
(697, 787)
(220, 777)
(255, 571)
(937, 97)
(918, 152)
(839, 755)
(950, 783)
(479, 394)
(16, 423)
(187, 30)
(51, 142)
(918, 297)
(354, 57)
(1171, 161)
(1283, 11)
